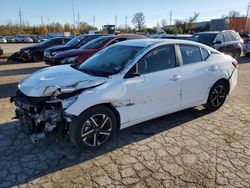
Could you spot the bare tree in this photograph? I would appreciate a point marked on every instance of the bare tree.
(138, 20)
(232, 14)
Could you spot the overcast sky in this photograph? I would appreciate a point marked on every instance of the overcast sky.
(104, 11)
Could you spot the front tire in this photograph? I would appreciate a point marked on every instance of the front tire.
(93, 128)
(217, 96)
(37, 56)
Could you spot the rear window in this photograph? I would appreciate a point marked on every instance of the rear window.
(236, 37)
(228, 37)
(204, 38)
(190, 54)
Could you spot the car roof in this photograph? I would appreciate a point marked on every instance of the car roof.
(140, 42)
(148, 42)
(208, 32)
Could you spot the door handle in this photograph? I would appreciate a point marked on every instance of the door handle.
(213, 68)
(176, 77)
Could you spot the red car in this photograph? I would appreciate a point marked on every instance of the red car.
(80, 55)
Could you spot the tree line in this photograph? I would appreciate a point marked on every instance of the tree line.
(15, 29)
(138, 20)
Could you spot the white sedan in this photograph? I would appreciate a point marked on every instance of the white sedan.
(125, 84)
(3, 40)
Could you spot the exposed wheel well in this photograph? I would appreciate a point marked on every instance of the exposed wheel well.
(111, 107)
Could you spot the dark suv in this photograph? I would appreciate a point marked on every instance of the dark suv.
(228, 41)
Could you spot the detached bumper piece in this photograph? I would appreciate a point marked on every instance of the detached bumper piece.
(38, 118)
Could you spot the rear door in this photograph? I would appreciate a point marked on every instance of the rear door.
(219, 42)
(229, 43)
(195, 70)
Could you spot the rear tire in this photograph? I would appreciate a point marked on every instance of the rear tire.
(217, 96)
(237, 54)
(93, 128)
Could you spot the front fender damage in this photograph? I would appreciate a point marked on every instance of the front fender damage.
(44, 116)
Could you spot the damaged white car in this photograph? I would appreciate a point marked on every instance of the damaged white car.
(122, 85)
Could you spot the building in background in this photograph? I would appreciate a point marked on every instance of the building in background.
(240, 24)
(219, 24)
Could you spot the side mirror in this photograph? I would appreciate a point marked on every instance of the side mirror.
(132, 73)
(217, 42)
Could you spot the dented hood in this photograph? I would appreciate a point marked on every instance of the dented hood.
(62, 79)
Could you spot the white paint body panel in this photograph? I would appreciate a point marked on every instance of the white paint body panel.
(141, 98)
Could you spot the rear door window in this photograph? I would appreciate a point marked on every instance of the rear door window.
(220, 37)
(190, 54)
(228, 37)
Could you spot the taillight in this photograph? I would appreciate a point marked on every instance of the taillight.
(235, 64)
(242, 41)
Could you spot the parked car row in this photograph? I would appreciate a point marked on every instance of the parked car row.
(35, 52)
(22, 39)
(79, 55)
(60, 51)
(74, 43)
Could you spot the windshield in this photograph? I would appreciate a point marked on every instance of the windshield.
(96, 43)
(204, 38)
(45, 42)
(110, 60)
(75, 41)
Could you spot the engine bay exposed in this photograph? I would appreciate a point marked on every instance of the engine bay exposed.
(42, 116)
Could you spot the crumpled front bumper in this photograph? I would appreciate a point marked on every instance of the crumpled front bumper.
(39, 120)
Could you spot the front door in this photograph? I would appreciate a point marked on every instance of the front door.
(157, 90)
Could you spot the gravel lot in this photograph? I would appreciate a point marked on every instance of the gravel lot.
(191, 148)
(12, 48)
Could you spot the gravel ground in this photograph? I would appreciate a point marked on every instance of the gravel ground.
(191, 148)
(11, 48)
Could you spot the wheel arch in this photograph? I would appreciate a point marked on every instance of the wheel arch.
(227, 83)
(111, 107)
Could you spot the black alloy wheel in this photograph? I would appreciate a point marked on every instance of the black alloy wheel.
(93, 128)
(217, 96)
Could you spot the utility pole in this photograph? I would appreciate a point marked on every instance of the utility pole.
(94, 20)
(115, 21)
(248, 8)
(170, 17)
(74, 21)
(126, 22)
(20, 14)
(42, 20)
(78, 19)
